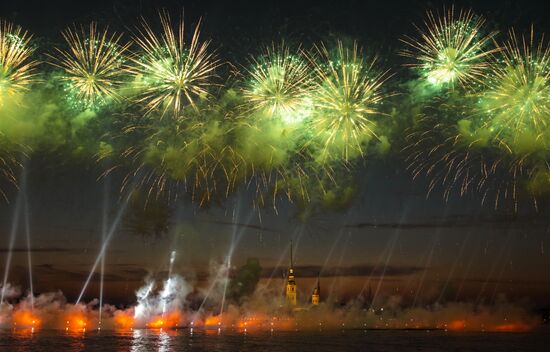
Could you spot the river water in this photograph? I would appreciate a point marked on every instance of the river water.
(318, 341)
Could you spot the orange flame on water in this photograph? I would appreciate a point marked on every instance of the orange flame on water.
(457, 325)
(23, 318)
(168, 321)
(76, 322)
(512, 327)
(213, 321)
(124, 320)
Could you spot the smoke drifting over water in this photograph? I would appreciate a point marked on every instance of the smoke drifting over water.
(174, 303)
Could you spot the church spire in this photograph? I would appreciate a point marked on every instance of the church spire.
(291, 283)
(316, 295)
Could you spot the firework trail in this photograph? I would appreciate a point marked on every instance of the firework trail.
(455, 161)
(173, 157)
(9, 163)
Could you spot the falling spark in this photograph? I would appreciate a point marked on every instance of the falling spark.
(9, 162)
(458, 163)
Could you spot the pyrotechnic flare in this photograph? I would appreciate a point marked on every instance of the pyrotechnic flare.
(17, 69)
(280, 84)
(517, 99)
(171, 73)
(92, 64)
(346, 100)
(450, 48)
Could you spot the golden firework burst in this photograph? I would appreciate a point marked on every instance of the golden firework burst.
(92, 64)
(280, 84)
(517, 99)
(171, 72)
(450, 48)
(346, 99)
(17, 69)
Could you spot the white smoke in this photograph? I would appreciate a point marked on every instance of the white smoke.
(10, 291)
(152, 303)
(167, 302)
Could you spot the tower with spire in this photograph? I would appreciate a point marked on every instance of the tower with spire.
(316, 295)
(291, 283)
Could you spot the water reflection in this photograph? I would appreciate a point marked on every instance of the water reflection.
(151, 340)
(138, 341)
(143, 340)
(164, 341)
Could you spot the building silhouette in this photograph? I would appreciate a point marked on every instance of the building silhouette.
(290, 291)
(316, 295)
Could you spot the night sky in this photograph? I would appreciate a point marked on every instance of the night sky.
(423, 247)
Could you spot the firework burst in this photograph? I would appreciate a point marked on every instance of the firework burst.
(92, 64)
(279, 84)
(450, 48)
(171, 72)
(348, 96)
(17, 69)
(517, 99)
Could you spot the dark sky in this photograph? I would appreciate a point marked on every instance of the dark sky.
(427, 243)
